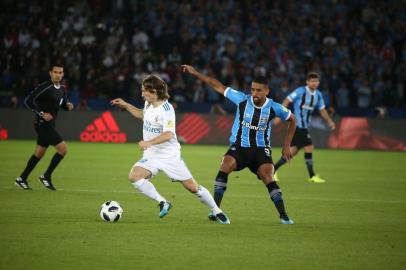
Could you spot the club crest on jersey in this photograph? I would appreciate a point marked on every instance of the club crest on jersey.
(263, 120)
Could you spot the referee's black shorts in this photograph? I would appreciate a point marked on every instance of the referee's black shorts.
(251, 157)
(301, 138)
(47, 135)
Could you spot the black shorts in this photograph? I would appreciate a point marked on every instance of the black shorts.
(301, 138)
(251, 157)
(47, 135)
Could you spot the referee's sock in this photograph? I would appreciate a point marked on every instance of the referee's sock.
(280, 162)
(220, 186)
(54, 162)
(276, 196)
(32, 162)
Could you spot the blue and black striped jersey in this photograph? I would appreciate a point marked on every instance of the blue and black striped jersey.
(304, 102)
(252, 124)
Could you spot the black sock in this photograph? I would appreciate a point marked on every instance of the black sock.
(280, 162)
(276, 196)
(220, 186)
(54, 162)
(309, 163)
(32, 162)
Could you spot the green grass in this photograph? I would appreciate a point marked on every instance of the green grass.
(357, 220)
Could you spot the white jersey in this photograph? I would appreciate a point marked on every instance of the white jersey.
(156, 121)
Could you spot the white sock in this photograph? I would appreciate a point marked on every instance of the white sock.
(206, 198)
(148, 189)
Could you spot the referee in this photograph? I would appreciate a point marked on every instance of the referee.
(45, 101)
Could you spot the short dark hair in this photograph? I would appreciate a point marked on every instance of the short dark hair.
(261, 80)
(56, 64)
(153, 82)
(313, 75)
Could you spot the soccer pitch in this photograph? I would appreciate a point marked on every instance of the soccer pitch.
(357, 220)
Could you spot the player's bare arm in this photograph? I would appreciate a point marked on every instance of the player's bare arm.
(286, 153)
(138, 113)
(212, 82)
(286, 102)
(165, 136)
(327, 118)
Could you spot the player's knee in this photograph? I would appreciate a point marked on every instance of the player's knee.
(191, 185)
(265, 174)
(134, 177)
(63, 152)
(39, 155)
(62, 149)
(193, 188)
(226, 167)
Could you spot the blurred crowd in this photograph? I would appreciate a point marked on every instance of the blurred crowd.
(108, 46)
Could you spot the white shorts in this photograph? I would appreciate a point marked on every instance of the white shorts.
(175, 168)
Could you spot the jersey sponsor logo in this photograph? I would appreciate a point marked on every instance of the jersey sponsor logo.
(148, 127)
(103, 129)
(307, 107)
(248, 125)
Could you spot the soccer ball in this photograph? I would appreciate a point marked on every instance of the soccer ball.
(111, 211)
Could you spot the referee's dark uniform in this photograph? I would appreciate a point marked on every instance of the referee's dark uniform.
(47, 98)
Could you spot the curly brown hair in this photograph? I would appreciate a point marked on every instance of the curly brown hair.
(152, 83)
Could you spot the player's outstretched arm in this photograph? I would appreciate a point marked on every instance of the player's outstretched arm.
(287, 155)
(327, 118)
(212, 82)
(138, 113)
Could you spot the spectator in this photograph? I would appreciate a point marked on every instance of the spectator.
(236, 41)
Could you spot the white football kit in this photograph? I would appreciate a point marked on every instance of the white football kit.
(164, 156)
